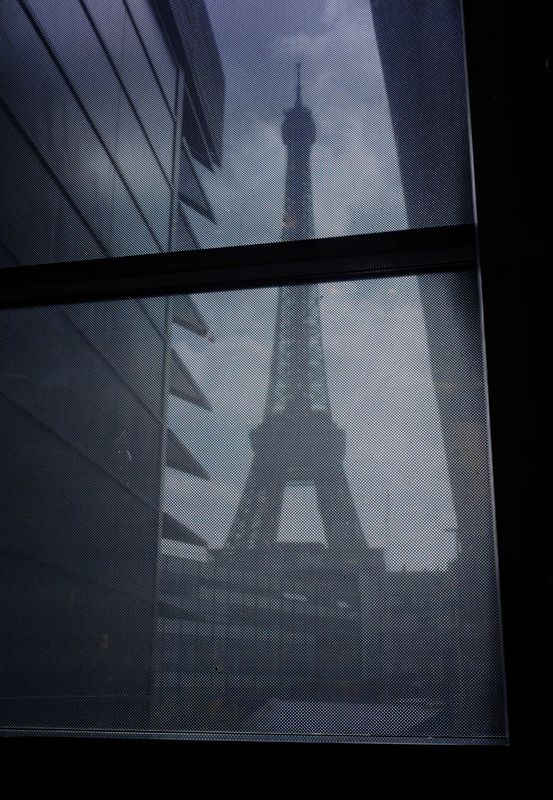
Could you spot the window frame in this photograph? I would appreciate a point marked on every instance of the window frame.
(411, 251)
(507, 67)
(500, 247)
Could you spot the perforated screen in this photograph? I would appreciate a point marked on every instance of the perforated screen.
(147, 126)
(269, 519)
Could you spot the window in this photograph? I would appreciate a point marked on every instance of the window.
(325, 565)
(325, 134)
(157, 434)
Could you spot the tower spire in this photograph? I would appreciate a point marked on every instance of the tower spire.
(299, 133)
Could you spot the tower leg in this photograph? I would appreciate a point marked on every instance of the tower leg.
(257, 518)
(343, 529)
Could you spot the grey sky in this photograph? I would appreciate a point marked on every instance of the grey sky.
(356, 185)
(375, 342)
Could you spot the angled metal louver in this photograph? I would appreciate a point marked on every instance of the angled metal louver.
(169, 610)
(186, 314)
(183, 385)
(178, 457)
(177, 532)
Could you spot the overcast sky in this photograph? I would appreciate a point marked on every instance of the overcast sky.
(356, 185)
(375, 343)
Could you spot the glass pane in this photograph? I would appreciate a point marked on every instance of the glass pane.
(268, 121)
(296, 543)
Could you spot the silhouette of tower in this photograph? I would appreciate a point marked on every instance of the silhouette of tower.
(297, 441)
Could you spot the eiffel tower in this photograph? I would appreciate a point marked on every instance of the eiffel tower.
(298, 441)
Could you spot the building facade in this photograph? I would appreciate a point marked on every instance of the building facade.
(420, 44)
(232, 638)
(104, 109)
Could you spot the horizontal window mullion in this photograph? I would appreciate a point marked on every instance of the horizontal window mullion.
(405, 253)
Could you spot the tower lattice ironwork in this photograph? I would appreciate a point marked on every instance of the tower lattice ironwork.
(298, 441)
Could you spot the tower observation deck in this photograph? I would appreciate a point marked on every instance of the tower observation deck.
(298, 441)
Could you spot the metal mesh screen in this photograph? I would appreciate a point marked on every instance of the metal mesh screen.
(271, 519)
(147, 126)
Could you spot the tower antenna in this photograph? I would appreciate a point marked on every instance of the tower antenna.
(298, 85)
